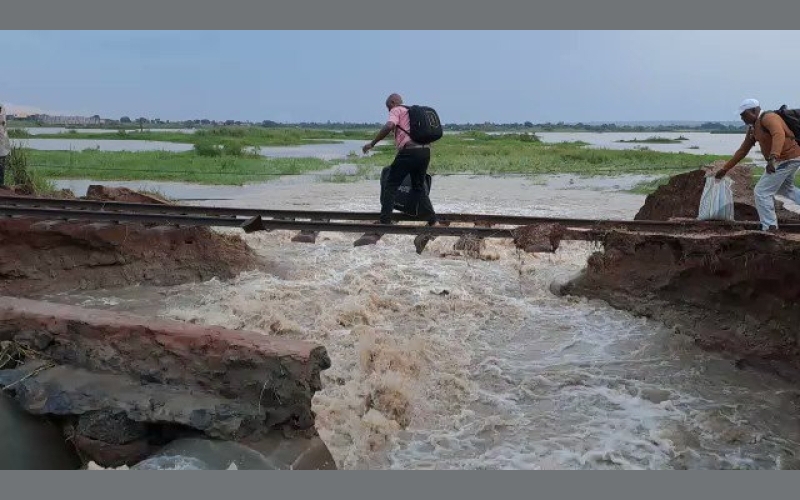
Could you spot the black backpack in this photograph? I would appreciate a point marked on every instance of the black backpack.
(425, 124)
(792, 119)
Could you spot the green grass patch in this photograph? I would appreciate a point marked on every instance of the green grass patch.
(655, 140)
(166, 166)
(495, 154)
(225, 160)
(244, 136)
(18, 133)
(648, 187)
(19, 173)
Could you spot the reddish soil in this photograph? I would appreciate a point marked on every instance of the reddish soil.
(105, 193)
(539, 237)
(45, 256)
(735, 292)
(680, 197)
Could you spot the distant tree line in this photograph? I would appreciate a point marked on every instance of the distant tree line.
(714, 127)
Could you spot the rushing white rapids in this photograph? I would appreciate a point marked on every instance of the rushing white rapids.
(454, 362)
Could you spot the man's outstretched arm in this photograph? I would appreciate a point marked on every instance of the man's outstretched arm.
(747, 145)
(381, 135)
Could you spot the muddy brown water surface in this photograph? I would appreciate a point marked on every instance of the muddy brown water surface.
(450, 362)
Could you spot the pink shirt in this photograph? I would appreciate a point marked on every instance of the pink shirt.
(399, 116)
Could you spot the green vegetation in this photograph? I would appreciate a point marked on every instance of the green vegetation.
(19, 173)
(19, 133)
(648, 187)
(137, 123)
(655, 140)
(226, 157)
(244, 136)
(166, 166)
(480, 153)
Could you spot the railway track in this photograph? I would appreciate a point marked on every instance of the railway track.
(257, 224)
(337, 221)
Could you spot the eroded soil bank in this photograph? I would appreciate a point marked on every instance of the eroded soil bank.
(47, 256)
(732, 292)
(120, 386)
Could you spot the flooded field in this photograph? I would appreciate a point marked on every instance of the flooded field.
(695, 143)
(313, 150)
(59, 130)
(441, 361)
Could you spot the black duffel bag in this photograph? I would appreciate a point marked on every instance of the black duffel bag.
(404, 201)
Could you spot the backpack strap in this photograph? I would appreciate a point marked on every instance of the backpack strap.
(778, 112)
(398, 125)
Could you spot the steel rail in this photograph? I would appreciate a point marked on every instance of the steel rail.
(233, 212)
(255, 223)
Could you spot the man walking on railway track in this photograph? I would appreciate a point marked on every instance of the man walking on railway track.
(412, 159)
(782, 152)
(5, 146)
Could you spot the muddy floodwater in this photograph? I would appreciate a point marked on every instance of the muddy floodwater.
(441, 361)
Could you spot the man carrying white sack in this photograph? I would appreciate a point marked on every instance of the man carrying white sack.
(782, 152)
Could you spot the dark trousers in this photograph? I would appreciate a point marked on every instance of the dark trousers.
(413, 162)
(3, 170)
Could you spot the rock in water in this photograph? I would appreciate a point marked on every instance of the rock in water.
(559, 285)
(205, 454)
(537, 238)
(172, 462)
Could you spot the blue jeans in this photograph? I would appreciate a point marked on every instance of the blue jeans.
(782, 183)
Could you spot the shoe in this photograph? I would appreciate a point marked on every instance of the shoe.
(771, 229)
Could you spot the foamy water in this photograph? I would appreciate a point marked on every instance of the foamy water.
(442, 361)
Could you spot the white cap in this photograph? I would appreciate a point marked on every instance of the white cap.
(748, 104)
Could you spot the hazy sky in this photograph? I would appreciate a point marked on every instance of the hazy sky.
(468, 76)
